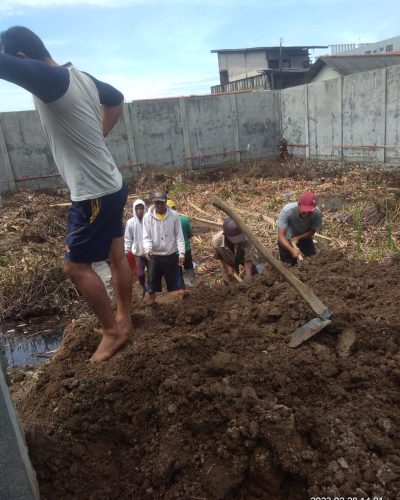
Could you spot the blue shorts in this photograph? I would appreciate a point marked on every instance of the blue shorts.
(92, 226)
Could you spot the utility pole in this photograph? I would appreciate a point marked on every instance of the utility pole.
(280, 62)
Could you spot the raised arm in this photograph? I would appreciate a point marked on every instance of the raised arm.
(46, 82)
(112, 101)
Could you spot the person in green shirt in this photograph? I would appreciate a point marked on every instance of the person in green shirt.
(188, 264)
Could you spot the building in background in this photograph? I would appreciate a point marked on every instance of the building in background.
(328, 67)
(266, 68)
(382, 47)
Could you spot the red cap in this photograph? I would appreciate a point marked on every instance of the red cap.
(308, 202)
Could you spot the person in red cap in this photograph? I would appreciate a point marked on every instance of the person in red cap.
(232, 249)
(297, 224)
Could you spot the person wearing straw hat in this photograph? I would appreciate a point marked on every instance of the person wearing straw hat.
(232, 249)
(297, 224)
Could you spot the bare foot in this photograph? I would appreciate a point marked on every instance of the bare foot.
(108, 346)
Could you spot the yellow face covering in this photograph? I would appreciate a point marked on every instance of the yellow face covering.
(161, 216)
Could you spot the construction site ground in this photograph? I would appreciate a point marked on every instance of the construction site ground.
(207, 400)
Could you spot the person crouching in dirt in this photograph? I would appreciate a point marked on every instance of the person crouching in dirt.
(163, 244)
(134, 242)
(232, 248)
(188, 264)
(297, 224)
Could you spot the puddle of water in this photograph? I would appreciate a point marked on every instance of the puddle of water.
(30, 343)
(332, 202)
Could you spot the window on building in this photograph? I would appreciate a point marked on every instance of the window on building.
(368, 52)
(381, 49)
(306, 64)
(224, 77)
(273, 63)
(286, 63)
(389, 48)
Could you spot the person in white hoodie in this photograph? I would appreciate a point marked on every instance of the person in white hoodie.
(163, 243)
(134, 241)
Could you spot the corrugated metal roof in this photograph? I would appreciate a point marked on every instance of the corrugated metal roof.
(347, 65)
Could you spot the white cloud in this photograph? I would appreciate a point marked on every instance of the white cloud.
(16, 7)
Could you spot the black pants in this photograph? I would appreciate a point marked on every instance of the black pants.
(188, 264)
(306, 247)
(163, 265)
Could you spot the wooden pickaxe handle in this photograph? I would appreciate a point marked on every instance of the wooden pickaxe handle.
(301, 288)
(237, 277)
(300, 256)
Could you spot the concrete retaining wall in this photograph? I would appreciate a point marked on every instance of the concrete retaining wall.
(17, 477)
(350, 118)
(355, 117)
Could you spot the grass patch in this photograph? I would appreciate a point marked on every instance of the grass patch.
(179, 187)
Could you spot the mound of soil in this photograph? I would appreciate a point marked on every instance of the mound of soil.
(208, 401)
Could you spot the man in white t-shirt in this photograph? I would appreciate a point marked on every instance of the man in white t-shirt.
(77, 112)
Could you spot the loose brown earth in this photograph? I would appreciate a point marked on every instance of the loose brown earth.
(208, 401)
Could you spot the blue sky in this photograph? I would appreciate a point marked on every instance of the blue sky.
(161, 48)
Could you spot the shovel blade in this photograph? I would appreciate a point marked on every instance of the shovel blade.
(308, 330)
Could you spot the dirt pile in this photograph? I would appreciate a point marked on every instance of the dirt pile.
(208, 401)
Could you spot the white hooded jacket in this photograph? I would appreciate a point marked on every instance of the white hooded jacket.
(134, 232)
(163, 237)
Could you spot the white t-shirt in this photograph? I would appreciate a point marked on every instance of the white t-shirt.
(73, 126)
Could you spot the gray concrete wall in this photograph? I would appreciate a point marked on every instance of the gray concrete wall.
(324, 118)
(186, 132)
(28, 151)
(212, 127)
(346, 118)
(157, 132)
(364, 114)
(392, 122)
(17, 477)
(294, 118)
(258, 116)
(352, 118)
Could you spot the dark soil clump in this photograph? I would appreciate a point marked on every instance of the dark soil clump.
(208, 401)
